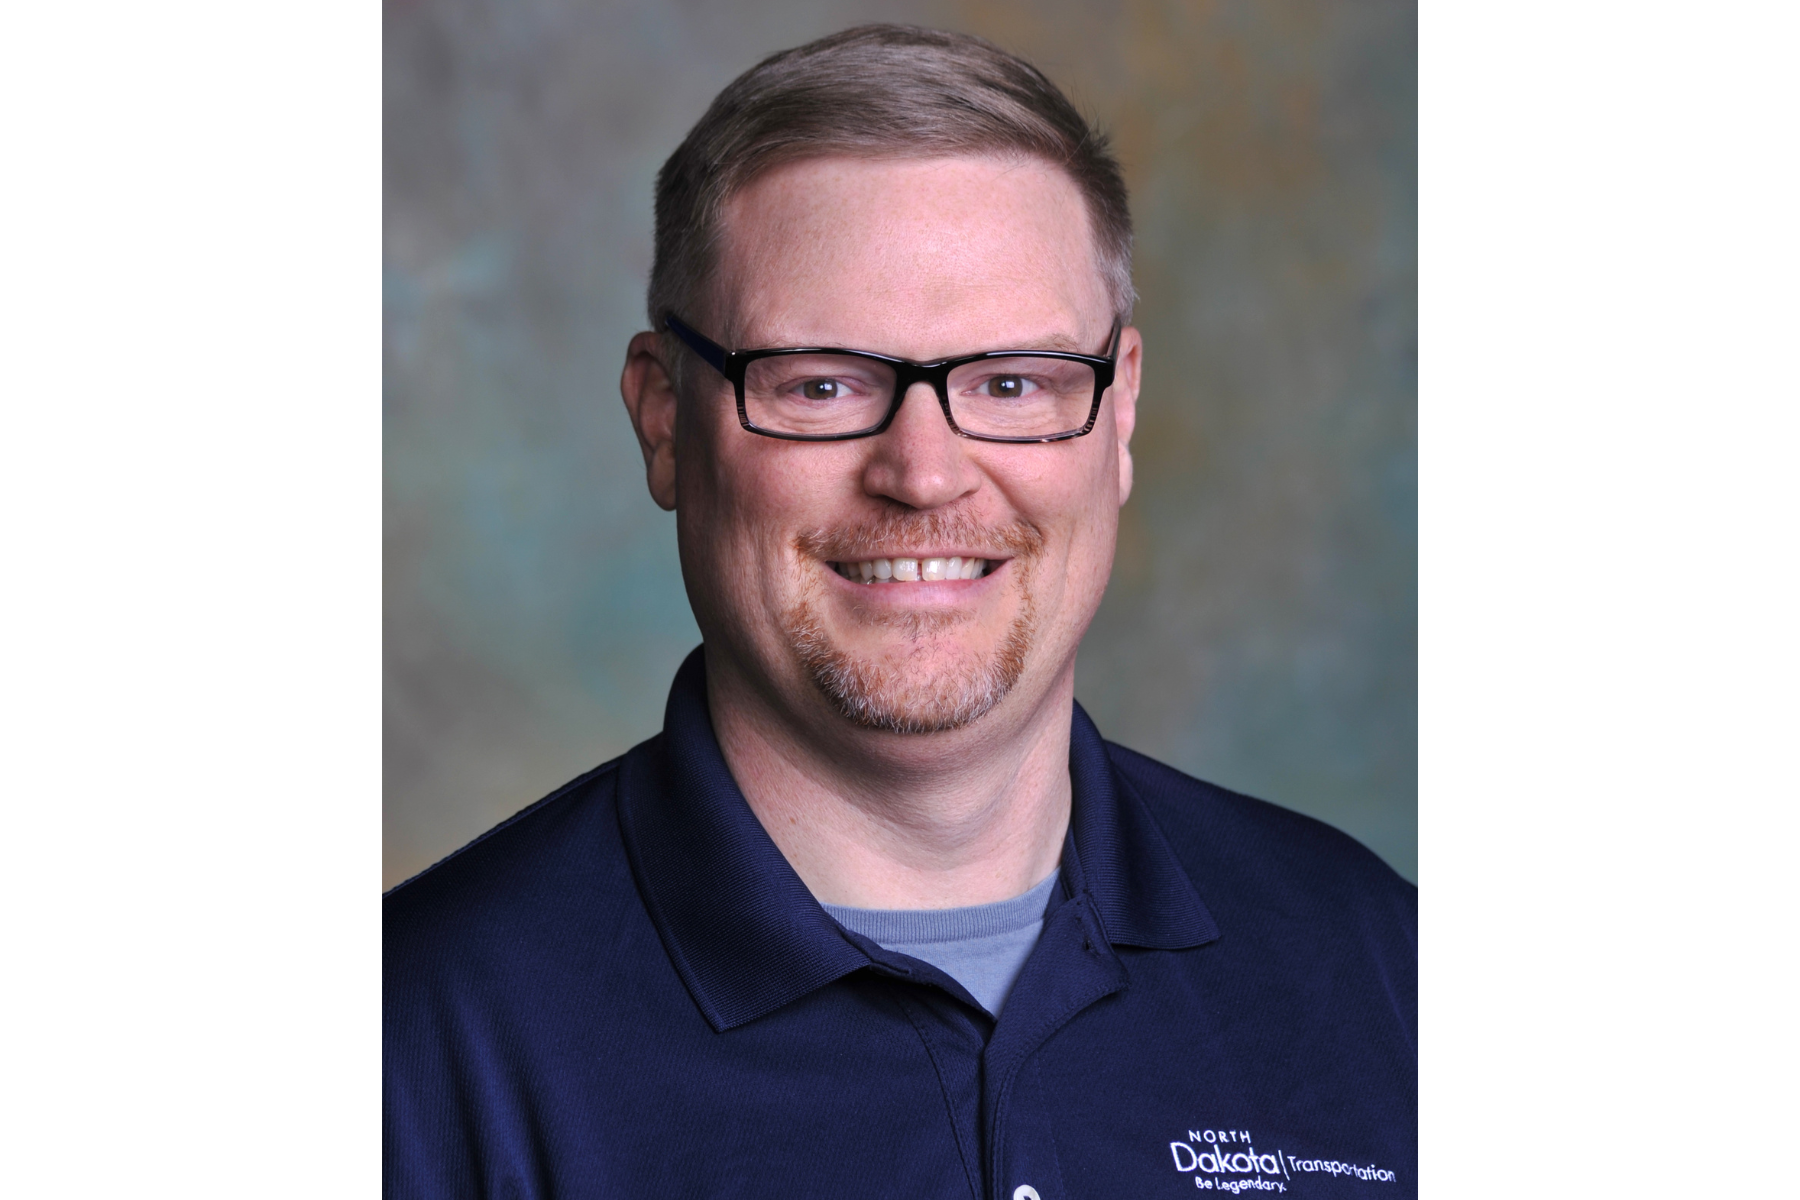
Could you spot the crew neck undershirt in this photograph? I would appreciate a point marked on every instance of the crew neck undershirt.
(983, 947)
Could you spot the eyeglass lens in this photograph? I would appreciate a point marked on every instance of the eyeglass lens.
(822, 394)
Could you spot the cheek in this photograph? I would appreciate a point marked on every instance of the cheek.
(717, 492)
(1081, 511)
(742, 503)
(710, 517)
(1075, 494)
(766, 491)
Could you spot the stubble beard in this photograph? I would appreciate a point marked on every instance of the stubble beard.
(898, 693)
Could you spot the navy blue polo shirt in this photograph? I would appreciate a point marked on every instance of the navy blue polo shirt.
(625, 990)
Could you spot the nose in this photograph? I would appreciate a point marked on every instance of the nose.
(918, 460)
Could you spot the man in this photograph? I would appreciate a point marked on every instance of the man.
(879, 913)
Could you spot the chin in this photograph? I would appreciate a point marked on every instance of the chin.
(931, 682)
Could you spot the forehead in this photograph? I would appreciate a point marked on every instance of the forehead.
(916, 257)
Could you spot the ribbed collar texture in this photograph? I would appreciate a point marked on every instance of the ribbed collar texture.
(917, 925)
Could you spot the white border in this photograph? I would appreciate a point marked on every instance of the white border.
(190, 468)
(1608, 400)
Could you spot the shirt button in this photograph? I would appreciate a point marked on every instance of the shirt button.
(1025, 1192)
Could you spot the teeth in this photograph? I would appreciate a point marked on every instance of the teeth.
(911, 570)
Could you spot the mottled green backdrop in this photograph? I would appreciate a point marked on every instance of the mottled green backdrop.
(1260, 627)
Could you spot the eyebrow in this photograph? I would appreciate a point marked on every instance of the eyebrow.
(1055, 341)
(1061, 342)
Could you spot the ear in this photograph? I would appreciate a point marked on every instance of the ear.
(1126, 377)
(649, 394)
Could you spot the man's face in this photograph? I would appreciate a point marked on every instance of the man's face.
(920, 259)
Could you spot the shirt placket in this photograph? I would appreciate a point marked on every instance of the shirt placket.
(1073, 967)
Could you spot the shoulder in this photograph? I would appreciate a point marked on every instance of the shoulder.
(489, 959)
(1241, 852)
(531, 862)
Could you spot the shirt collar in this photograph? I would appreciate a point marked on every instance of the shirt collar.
(1116, 854)
(746, 935)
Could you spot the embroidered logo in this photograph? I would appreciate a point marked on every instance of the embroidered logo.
(1227, 1160)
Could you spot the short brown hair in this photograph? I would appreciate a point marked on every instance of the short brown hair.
(876, 91)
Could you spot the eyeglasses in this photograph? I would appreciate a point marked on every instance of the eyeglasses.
(824, 394)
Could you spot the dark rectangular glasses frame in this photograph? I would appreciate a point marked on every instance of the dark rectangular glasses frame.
(732, 364)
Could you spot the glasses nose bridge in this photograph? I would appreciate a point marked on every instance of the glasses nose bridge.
(906, 375)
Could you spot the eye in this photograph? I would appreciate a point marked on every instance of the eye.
(1007, 387)
(821, 389)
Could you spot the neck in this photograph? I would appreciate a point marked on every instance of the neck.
(870, 819)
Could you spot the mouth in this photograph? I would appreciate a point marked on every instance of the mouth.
(917, 569)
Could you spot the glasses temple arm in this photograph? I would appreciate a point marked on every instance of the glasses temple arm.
(698, 342)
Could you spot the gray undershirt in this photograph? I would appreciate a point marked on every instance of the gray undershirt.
(982, 947)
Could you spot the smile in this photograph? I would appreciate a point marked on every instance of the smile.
(911, 570)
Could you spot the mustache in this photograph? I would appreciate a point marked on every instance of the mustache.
(903, 529)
